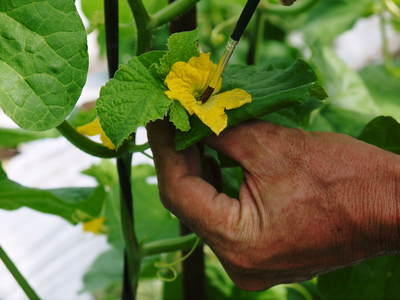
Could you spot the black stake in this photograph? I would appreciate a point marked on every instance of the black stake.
(112, 35)
(112, 46)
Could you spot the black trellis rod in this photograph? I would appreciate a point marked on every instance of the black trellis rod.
(112, 46)
(112, 35)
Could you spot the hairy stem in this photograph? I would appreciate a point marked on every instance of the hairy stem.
(144, 30)
(86, 144)
(256, 38)
(29, 291)
(171, 12)
(182, 243)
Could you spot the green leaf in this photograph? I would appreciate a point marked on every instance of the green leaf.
(332, 118)
(67, 203)
(343, 85)
(179, 117)
(383, 132)
(152, 58)
(384, 89)
(12, 138)
(272, 90)
(375, 279)
(181, 47)
(130, 100)
(153, 221)
(104, 271)
(328, 19)
(43, 61)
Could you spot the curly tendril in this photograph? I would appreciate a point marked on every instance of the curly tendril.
(170, 266)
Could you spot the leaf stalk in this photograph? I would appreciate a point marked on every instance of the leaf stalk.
(85, 144)
(142, 21)
(181, 243)
(171, 12)
(22, 282)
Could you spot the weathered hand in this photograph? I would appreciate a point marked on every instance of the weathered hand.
(310, 202)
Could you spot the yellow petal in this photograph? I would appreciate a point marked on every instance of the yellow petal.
(106, 141)
(94, 128)
(212, 113)
(187, 81)
(91, 129)
(96, 225)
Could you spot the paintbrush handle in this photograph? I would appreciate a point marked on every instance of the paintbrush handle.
(244, 19)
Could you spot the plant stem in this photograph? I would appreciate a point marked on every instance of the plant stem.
(171, 12)
(144, 30)
(86, 144)
(387, 57)
(29, 292)
(257, 38)
(295, 9)
(169, 245)
(132, 248)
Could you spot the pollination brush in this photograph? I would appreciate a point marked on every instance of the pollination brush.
(244, 20)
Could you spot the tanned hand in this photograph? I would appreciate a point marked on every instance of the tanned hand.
(309, 203)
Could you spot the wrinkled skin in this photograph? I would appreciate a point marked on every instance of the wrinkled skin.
(310, 202)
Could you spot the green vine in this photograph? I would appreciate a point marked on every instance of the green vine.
(171, 11)
(23, 283)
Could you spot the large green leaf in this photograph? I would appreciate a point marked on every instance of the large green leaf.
(384, 87)
(272, 90)
(131, 99)
(343, 85)
(12, 138)
(68, 203)
(375, 279)
(43, 61)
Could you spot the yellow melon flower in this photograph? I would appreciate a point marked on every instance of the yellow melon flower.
(186, 83)
(96, 225)
(94, 128)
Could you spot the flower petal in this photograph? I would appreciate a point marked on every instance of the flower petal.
(106, 141)
(232, 99)
(187, 81)
(212, 113)
(91, 129)
(94, 128)
(95, 226)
